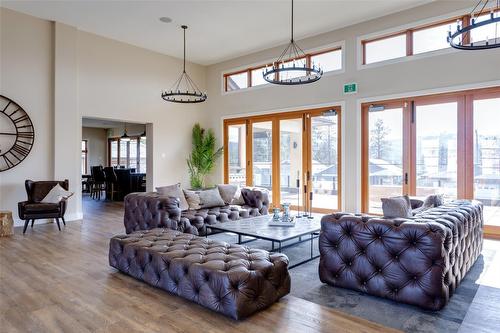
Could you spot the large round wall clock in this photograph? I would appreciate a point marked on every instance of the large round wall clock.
(17, 134)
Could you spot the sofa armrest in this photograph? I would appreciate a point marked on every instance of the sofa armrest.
(149, 210)
(399, 259)
(62, 207)
(256, 198)
(416, 203)
(21, 207)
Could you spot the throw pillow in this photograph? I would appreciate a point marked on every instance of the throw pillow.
(176, 192)
(193, 199)
(231, 194)
(433, 200)
(238, 198)
(210, 198)
(56, 194)
(227, 192)
(396, 207)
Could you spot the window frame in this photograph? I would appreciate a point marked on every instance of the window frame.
(275, 118)
(465, 135)
(137, 162)
(86, 154)
(409, 30)
(248, 70)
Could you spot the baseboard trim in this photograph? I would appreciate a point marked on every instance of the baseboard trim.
(67, 217)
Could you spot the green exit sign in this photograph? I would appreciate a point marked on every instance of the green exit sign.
(350, 88)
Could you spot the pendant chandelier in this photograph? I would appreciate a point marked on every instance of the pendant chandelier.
(292, 67)
(184, 90)
(125, 136)
(462, 38)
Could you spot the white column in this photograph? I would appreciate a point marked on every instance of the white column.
(67, 117)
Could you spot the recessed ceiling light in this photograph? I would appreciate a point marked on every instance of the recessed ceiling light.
(165, 19)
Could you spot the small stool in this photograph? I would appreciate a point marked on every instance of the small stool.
(6, 223)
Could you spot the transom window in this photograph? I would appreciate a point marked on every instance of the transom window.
(330, 60)
(420, 39)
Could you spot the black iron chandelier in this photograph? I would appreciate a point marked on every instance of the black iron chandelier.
(462, 38)
(184, 90)
(292, 67)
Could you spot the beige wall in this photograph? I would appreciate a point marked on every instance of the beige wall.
(450, 70)
(27, 77)
(59, 74)
(121, 82)
(97, 145)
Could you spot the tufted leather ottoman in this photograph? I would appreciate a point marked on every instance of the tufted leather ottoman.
(231, 279)
(419, 260)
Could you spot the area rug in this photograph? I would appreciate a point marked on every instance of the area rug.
(306, 285)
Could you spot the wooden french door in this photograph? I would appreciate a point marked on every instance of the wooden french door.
(447, 144)
(291, 154)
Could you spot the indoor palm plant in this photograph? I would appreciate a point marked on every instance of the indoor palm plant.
(203, 156)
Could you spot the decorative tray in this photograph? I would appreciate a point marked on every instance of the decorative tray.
(280, 223)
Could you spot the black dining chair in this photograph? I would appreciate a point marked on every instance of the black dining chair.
(112, 186)
(98, 182)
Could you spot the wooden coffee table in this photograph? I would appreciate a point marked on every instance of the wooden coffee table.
(305, 230)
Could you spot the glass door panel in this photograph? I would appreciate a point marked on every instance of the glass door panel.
(236, 151)
(142, 154)
(113, 153)
(436, 149)
(262, 155)
(385, 151)
(487, 157)
(324, 160)
(132, 162)
(291, 161)
(123, 154)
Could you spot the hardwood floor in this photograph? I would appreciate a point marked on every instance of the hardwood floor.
(53, 281)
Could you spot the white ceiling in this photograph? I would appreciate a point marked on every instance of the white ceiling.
(218, 29)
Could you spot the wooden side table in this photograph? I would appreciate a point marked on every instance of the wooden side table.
(6, 223)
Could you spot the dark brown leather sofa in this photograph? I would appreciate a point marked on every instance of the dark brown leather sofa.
(231, 279)
(33, 209)
(150, 210)
(419, 260)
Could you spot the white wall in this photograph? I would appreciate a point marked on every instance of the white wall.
(27, 77)
(59, 74)
(440, 72)
(97, 143)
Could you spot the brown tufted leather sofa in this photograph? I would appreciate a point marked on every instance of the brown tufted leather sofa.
(150, 210)
(419, 260)
(231, 279)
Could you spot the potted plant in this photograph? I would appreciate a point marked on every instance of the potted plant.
(203, 156)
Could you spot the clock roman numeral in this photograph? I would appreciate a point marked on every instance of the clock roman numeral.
(25, 126)
(8, 162)
(5, 108)
(15, 156)
(23, 151)
(26, 135)
(20, 119)
(13, 112)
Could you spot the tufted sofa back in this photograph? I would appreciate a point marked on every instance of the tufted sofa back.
(419, 261)
(145, 211)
